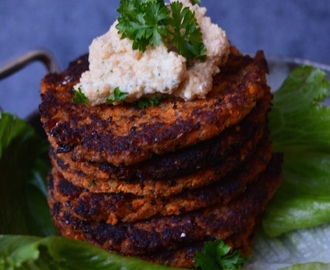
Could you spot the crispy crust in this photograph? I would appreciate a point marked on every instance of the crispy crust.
(158, 182)
(184, 257)
(124, 134)
(126, 207)
(181, 162)
(167, 187)
(174, 232)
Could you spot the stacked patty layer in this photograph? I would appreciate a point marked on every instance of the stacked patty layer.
(158, 182)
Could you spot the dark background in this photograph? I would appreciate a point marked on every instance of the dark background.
(290, 28)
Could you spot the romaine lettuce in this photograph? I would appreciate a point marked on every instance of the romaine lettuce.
(24, 165)
(300, 128)
(54, 252)
(308, 266)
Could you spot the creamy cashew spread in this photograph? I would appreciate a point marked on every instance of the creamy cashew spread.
(113, 64)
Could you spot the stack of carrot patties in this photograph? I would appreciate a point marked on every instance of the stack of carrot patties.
(158, 182)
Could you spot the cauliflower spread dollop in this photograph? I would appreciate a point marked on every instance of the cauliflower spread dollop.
(158, 70)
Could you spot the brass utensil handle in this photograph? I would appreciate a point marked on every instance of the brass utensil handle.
(36, 55)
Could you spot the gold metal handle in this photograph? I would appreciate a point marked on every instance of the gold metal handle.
(37, 55)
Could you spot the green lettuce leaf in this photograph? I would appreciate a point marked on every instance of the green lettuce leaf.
(309, 266)
(24, 165)
(300, 128)
(53, 252)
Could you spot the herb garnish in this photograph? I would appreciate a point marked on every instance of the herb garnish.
(145, 23)
(146, 102)
(91, 183)
(118, 95)
(186, 35)
(195, 2)
(216, 257)
(151, 22)
(79, 96)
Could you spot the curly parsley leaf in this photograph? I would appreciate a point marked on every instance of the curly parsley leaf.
(79, 96)
(118, 95)
(187, 36)
(145, 23)
(146, 102)
(216, 257)
(195, 2)
(151, 22)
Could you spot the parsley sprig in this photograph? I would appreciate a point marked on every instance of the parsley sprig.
(150, 22)
(186, 35)
(79, 96)
(196, 2)
(216, 257)
(145, 23)
(143, 103)
(118, 95)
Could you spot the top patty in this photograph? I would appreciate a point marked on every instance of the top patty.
(125, 134)
(181, 162)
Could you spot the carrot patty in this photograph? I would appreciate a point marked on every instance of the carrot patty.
(157, 182)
